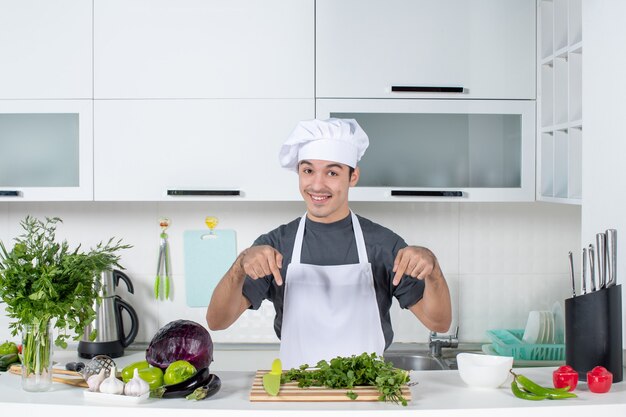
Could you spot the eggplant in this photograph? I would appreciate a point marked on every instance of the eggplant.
(208, 390)
(184, 388)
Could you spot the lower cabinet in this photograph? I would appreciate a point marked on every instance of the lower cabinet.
(182, 150)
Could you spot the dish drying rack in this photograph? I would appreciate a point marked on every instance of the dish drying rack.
(508, 342)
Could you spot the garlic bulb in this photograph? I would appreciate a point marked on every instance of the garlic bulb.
(136, 387)
(94, 381)
(112, 385)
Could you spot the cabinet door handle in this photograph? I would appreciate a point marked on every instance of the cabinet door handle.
(10, 193)
(425, 89)
(419, 193)
(214, 193)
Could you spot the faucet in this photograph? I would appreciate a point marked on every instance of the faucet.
(436, 342)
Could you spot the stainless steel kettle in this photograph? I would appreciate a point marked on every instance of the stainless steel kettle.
(111, 339)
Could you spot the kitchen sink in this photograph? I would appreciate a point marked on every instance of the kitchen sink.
(417, 362)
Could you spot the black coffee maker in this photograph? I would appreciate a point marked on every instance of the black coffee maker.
(111, 339)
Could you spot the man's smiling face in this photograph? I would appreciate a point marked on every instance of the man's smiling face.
(324, 187)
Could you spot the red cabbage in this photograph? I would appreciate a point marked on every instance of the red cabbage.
(181, 340)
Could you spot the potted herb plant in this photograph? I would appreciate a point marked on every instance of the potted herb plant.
(47, 286)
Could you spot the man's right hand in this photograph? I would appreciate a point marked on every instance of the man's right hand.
(261, 261)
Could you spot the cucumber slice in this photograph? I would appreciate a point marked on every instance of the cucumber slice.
(271, 384)
(277, 367)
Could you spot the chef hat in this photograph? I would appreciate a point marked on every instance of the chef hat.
(337, 140)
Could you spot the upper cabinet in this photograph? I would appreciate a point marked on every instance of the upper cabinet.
(204, 49)
(560, 110)
(185, 150)
(475, 49)
(170, 100)
(442, 150)
(45, 49)
(46, 150)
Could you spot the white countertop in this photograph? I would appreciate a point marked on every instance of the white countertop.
(437, 393)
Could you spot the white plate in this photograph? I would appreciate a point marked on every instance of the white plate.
(113, 398)
(544, 329)
(551, 327)
(542, 332)
(559, 323)
(533, 327)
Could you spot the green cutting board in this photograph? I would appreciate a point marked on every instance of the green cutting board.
(206, 262)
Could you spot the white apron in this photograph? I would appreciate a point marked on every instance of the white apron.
(329, 311)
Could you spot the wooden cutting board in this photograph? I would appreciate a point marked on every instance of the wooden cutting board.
(290, 392)
(77, 381)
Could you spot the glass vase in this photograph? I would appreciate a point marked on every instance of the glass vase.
(37, 357)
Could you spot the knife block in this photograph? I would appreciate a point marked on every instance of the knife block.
(593, 332)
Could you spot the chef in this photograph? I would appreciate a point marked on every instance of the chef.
(331, 274)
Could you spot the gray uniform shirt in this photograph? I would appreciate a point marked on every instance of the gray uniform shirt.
(335, 244)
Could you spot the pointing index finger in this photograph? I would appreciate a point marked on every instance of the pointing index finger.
(396, 278)
(400, 265)
(275, 265)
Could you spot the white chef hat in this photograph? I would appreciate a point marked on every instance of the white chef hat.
(337, 140)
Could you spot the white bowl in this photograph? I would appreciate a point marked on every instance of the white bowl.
(484, 371)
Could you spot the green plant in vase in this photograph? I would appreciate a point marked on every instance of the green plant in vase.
(47, 286)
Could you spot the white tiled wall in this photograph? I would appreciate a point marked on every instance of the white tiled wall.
(500, 260)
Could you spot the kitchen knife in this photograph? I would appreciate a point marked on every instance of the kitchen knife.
(571, 270)
(601, 255)
(592, 269)
(583, 283)
(611, 256)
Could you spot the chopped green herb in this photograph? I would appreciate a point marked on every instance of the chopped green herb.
(348, 372)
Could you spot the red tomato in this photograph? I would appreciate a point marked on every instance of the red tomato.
(19, 348)
(599, 380)
(565, 376)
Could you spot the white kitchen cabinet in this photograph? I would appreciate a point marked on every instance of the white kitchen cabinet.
(45, 49)
(186, 150)
(204, 49)
(442, 150)
(485, 48)
(559, 101)
(46, 150)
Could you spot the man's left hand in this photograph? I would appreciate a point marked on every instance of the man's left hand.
(415, 261)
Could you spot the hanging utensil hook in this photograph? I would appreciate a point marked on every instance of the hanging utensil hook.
(211, 222)
(163, 264)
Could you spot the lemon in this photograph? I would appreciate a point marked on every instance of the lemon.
(271, 383)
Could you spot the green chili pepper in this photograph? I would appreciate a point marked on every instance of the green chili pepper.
(525, 395)
(533, 391)
(535, 388)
